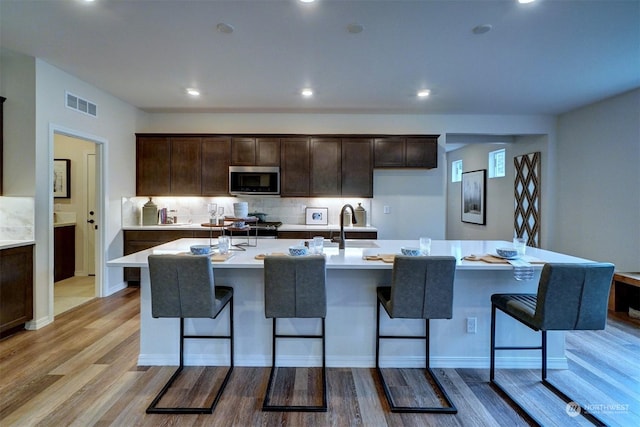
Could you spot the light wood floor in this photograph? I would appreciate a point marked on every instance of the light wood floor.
(72, 292)
(81, 371)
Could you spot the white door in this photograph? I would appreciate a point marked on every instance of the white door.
(92, 215)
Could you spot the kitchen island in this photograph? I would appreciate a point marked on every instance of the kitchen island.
(351, 311)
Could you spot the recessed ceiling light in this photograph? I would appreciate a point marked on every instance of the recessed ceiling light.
(355, 28)
(525, 1)
(306, 92)
(423, 93)
(224, 28)
(192, 91)
(307, 1)
(481, 29)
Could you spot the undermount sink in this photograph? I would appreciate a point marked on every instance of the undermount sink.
(352, 243)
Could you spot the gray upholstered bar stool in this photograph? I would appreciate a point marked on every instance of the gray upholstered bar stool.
(294, 287)
(570, 297)
(421, 288)
(183, 287)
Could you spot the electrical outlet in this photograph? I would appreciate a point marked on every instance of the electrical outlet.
(387, 209)
(472, 325)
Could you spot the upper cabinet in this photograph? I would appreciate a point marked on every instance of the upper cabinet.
(294, 167)
(255, 151)
(215, 166)
(357, 167)
(310, 166)
(326, 167)
(406, 152)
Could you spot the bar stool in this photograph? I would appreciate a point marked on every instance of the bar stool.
(421, 288)
(183, 287)
(570, 297)
(294, 287)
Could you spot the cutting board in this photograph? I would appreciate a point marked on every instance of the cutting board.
(492, 259)
(221, 257)
(261, 256)
(381, 257)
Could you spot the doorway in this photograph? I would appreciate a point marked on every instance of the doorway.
(76, 222)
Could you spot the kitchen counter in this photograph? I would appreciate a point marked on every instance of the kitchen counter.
(351, 308)
(283, 227)
(8, 244)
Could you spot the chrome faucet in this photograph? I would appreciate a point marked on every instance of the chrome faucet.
(340, 240)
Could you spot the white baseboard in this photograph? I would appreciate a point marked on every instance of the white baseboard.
(32, 325)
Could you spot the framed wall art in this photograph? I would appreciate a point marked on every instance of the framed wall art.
(317, 216)
(62, 178)
(474, 200)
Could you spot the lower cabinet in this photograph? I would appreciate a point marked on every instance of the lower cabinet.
(16, 288)
(367, 235)
(139, 240)
(64, 252)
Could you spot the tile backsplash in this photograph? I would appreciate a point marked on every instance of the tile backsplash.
(194, 209)
(17, 217)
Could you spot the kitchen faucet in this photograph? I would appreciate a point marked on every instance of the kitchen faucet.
(340, 240)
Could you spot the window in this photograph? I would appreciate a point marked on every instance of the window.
(456, 171)
(497, 163)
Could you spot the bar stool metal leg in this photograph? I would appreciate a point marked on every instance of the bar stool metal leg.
(267, 406)
(448, 408)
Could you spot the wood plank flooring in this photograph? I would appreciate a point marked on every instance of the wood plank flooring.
(81, 371)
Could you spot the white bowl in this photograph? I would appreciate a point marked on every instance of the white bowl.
(298, 250)
(200, 249)
(407, 251)
(508, 253)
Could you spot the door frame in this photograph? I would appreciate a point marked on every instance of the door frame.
(101, 204)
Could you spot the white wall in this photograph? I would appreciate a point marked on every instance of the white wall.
(598, 182)
(500, 191)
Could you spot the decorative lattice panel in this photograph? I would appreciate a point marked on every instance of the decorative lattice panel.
(527, 198)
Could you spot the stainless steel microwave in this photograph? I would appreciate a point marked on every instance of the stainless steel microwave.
(254, 180)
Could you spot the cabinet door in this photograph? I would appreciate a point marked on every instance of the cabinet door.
(243, 151)
(64, 252)
(16, 287)
(185, 166)
(294, 167)
(389, 152)
(357, 167)
(422, 152)
(215, 166)
(326, 167)
(153, 166)
(267, 152)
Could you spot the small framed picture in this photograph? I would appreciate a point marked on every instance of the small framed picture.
(317, 216)
(62, 178)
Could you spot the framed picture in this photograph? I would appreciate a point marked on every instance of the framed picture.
(62, 178)
(317, 216)
(474, 200)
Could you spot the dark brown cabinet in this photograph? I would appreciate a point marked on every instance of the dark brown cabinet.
(186, 164)
(16, 288)
(357, 167)
(326, 167)
(294, 167)
(409, 152)
(64, 252)
(255, 151)
(153, 166)
(215, 166)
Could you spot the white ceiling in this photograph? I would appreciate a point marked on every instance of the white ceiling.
(543, 58)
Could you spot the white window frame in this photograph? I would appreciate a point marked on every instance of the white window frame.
(498, 163)
(456, 171)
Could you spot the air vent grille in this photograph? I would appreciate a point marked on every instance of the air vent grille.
(81, 105)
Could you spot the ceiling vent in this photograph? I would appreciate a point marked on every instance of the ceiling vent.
(81, 105)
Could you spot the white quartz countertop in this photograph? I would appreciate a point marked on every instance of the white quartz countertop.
(283, 227)
(353, 256)
(8, 244)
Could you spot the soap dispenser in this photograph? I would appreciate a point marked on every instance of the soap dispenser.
(150, 213)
